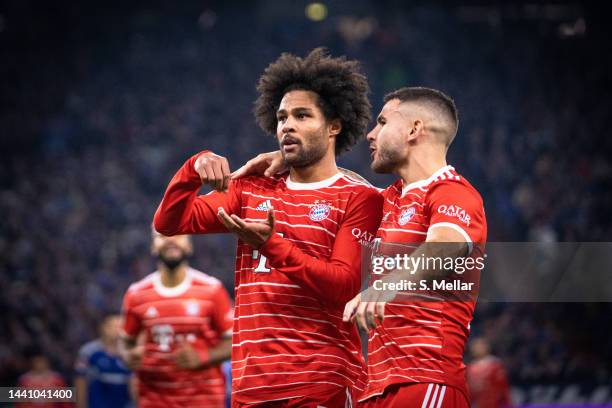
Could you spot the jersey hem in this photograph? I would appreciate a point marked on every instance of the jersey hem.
(379, 391)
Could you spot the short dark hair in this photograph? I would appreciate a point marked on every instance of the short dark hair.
(438, 100)
(341, 88)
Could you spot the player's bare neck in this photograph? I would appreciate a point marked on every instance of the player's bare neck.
(420, 168)
(172, 278)
(319, 171)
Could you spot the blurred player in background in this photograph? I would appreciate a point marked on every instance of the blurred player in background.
(41, 376)
(416, 354)
(186, 319)
(102, 379)
(298, 259)
(487, 377)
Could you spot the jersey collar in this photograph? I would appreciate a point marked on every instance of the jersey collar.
(294, 185)
(427, 181)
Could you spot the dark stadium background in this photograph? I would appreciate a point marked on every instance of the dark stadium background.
(100, 102)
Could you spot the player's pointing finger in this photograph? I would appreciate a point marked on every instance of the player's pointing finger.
(226, 220)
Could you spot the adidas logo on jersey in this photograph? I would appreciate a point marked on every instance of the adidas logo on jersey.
(151, 312)
(265, 206)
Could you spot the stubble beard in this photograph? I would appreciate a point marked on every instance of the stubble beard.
(387, 161)
(306, 155)
(172, 263)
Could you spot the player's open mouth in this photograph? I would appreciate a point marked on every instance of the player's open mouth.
(372, 152)
(289, 143)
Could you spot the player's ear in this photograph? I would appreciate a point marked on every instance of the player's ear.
(335, 127)
(416, 129)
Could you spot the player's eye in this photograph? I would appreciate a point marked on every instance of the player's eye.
(281, 118)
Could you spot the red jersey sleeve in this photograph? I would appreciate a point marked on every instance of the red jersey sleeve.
(339, 278)
(223, 315)
(182, 211)
(131, 321)
(455, 205)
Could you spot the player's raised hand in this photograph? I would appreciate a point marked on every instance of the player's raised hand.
(266, 164)
(253, 233)
(187, 357)
(214, 170)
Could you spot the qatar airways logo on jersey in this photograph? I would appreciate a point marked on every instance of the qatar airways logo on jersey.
(365, 238)
(455, 211)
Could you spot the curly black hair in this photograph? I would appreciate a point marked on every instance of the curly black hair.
(341, 88)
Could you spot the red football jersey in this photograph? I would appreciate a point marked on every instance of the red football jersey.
(488, 383)
(423, 341)
(289, 339)
(48, 380)
(197, 311)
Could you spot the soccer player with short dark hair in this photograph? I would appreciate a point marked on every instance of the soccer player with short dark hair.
(300, 235)
(416, 353)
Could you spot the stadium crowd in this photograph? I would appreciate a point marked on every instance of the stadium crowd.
(90, 162)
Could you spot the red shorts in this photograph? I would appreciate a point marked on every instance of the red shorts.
(418, 396)
(344, 398)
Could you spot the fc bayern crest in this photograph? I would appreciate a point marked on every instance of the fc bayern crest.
(406, 215)
(319, 212)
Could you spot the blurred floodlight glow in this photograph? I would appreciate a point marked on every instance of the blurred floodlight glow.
(316, 11)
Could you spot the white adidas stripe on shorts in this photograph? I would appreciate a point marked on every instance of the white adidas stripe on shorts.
(434, 396)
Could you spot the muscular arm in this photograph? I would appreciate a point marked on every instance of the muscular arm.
(183, 211)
